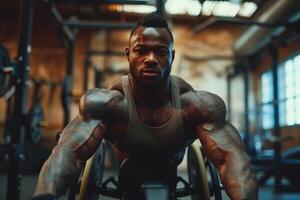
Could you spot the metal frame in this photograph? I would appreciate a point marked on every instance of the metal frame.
(104, 1)
(104, 53)
(242, 22)
(246, 99)
(87, 64)
(97, 25)
(17, 144)
(69, 75)
(58, 17)
(276, 129)
(212, 57)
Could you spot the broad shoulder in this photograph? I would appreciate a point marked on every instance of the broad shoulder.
(205, 107)
(201, 98)
(117, 86)
(182, 84)
(93, 104)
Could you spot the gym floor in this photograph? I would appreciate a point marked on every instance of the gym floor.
(28, 182)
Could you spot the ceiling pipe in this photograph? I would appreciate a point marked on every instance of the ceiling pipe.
(256, 37)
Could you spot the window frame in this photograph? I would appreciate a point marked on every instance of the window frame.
(280, 101)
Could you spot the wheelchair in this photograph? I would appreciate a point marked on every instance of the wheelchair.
(149, 179)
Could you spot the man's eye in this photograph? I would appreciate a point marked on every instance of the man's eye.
(162, 52)
(140, 51)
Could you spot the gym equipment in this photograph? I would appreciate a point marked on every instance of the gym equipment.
(99, 74)
(21, 124)
(148, 177)
(35, 118)
(6, 71)
(66, 97)
(290, 161)
(293, 173)
(35, 123)
(17, 143)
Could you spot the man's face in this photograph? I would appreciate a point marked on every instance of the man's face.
(150, 55)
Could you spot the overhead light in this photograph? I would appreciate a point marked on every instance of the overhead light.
(139, 8)
(208, 7)
(193, 8)
(131, 8)
(230, 8)
(247, 9)
(179, 7)
(226, 9)
(175, 7)
(220, 8)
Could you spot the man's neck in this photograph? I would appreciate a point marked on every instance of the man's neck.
(151, 96)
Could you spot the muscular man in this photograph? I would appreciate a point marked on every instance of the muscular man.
(150, 112)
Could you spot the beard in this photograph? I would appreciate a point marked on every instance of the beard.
(151, 77)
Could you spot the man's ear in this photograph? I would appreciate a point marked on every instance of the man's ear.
(127, 51)
(173, 55)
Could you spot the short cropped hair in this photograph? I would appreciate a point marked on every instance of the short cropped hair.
(152, 20)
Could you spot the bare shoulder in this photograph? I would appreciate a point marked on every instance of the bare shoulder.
(93, 104)
(207, 107)
(210, 100)
(182, 84)
(117, 85)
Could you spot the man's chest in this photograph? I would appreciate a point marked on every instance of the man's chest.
(121, 113)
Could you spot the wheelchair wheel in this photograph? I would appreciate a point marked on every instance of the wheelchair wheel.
(203, 175)
(197, 173)
(92, 175)
(213, 180)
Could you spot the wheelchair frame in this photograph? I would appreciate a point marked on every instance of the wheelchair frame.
(203, 184)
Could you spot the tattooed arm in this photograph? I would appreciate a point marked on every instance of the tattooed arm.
(224, 147)
(79, 140)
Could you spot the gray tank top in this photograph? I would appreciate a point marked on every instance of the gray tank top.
(141, 139)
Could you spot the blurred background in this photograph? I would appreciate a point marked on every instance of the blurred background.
(247, 52)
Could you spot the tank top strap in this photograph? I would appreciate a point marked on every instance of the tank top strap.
(175, 93)
(128, 94)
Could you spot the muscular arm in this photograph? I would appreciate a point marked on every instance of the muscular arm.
(223, 146)
(79, 140)
(77, 143)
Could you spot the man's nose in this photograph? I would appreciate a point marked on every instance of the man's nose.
(151, 59)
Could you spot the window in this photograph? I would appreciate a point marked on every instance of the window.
(267, 100)
(288, 94)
